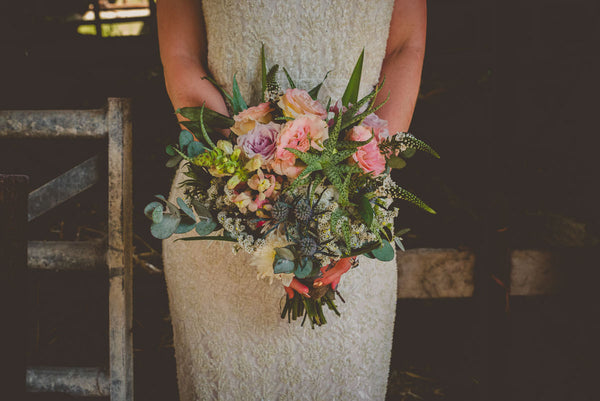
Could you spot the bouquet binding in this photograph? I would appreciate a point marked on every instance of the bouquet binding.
(303, 188)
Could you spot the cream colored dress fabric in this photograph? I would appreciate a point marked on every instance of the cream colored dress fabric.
(230, 342)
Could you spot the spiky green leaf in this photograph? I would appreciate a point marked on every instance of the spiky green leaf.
(238, 103)
(291, 83)
(314, 92)
(351, 92)
(401, 193)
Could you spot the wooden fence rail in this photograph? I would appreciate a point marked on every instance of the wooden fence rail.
(113, 124)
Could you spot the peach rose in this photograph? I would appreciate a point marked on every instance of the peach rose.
(368, 157)
(247, 119)
(302, 133)
(297, 102)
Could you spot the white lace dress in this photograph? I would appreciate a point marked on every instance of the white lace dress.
(230, 342)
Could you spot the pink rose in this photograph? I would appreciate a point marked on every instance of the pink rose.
(368, 157)
(297, 102)
(247, 119)
(378, 125)
(285, 168)
(301, 134)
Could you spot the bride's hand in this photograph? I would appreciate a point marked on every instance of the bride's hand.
(333, 275)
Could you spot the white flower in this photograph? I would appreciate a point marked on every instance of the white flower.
(263, 260)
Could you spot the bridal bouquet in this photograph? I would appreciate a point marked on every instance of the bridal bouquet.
(301, 186)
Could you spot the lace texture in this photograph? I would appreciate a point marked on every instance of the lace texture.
(230, 343)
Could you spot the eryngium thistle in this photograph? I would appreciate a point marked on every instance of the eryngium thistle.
(302, 210)
(308, 246)
(280, 211)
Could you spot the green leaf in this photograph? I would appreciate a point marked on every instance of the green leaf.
(185, 138)
(157, 214)
(399, 243)
(304, 269)
(285, 253)
(226, 95)
(185, 225)
(238, 102)
(408, 153)
(401, 193)
(289, 79)
(401, 232)
(195, 148)
(351, 93)
(205, 226)
(263, 73)
(385, 253)
(201, 210)
(365, 210)
(149, 209)
(282, 265)
(314, 92)
(211, 117)
(170, 151)
(396, 162)
(208, 238)
(173, 161)
(207, 139)
(186, 209)
(166, 227)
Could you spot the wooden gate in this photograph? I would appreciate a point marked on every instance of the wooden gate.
(16, 254)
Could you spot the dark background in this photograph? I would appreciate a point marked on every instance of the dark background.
(508, 98)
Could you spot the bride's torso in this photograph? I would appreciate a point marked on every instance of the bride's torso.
(307, 37)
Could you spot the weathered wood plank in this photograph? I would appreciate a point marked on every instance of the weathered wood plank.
(53, 124)
(82, 382)
(66, 255)
(64, 187)
(120, 249)
(13, 278)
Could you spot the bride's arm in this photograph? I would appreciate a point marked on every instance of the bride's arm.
(182, 41)
(403, 63)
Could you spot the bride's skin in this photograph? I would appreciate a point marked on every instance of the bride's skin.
(182, 41)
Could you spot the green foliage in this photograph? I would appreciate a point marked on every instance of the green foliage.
(289, 79)
(237, 101)
(401, 193)
(351, 93)
(304, 268)
(263, 72)
(210, 117)
(402, 141)
(396, 162)
(314, 92)
(385, 253)
(365, 210)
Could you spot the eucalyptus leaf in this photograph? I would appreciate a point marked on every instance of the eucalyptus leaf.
(157, 214)
(369, 255)
(172, 209)
(351, 93)
(365, 210)
(186, 209)
(170, 151)
(304, 269)
(285, 253)
(385, 253)
(282, 265)
(205, 226)
(149, 209)
(166, 227)
(195, 148)
(186, 224)
(161, 197)
(185, 138)
(173, 161)
(396, 162)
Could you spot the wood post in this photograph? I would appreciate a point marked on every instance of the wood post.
(14, 190)
(119, 255)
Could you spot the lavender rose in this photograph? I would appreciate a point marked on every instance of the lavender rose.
(261, 140)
